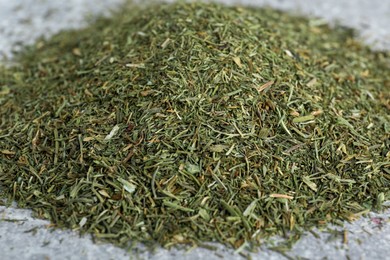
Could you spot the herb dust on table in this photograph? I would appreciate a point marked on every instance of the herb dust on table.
(191, 123)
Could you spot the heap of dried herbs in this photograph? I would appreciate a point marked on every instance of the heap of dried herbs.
(187, 123)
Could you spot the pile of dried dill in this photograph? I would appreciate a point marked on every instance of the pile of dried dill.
(187, 123)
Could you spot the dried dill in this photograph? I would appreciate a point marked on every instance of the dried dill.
(188, 123)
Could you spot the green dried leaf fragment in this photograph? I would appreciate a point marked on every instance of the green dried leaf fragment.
(302, 119)
(309, 183)
(219, 148)
(176, 206)
(192, 168)
(128, 186)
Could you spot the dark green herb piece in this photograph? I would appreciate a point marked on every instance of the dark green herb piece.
(189, 123)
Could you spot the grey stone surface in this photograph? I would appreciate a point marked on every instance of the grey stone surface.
(24, 237)
(23, 21)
